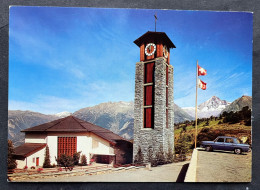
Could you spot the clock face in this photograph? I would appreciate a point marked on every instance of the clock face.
(165, 52)
(150, 49)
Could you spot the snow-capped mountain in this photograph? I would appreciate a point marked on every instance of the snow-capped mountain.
(63, 114)
(115, 116)
(211, 107)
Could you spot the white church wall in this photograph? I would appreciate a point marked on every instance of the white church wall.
(53, 149)
(35, 138)
(100, 146)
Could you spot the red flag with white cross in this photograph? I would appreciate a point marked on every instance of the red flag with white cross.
(201, 71)
(202, 85)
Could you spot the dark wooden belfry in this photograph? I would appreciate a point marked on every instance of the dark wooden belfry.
(161, 45)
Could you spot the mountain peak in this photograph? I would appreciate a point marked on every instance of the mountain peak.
(212, 104)
(239, 103)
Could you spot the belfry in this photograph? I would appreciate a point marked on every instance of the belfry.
(153, 107)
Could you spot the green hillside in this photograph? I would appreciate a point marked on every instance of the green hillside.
(228, 124)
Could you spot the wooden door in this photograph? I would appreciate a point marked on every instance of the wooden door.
(37, 161)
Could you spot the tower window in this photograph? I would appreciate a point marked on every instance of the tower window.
(149, 94)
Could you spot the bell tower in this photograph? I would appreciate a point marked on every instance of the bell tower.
(153, 107)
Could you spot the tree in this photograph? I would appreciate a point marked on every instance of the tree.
(76, 157)
(139, 157)
(83, 160)
(47, 161)
(170, 156)
(160, 158)
(66, 161)
(10, 161)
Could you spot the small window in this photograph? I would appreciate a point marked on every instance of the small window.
(33, 160)
(229, 140)
(220, 140)
(94, 144)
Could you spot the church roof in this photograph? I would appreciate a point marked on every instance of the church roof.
(27, 149)
(156, 37)
(73, 124)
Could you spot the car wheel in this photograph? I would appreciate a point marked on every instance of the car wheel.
(238, 151)
(208, 148)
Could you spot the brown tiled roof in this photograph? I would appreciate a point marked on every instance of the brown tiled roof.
(158, 37)
(73, 124)
(27, 149)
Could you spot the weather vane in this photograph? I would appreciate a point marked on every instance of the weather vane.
(155, 16)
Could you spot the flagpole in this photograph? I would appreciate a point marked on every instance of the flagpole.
(196, 105)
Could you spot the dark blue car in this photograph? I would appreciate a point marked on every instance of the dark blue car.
(225, 143)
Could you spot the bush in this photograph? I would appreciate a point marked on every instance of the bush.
(83, 160)
(66, 161)
(76, 157)
(170, 156)
(47, 161)
(11, 163)
(33, 168)
(39, 170)
(139, 157)
(160, 158)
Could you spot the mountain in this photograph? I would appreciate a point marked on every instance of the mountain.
(239, 103)
(115, 116)
(19, 120)
(63, 114)
(180, 115)
(213, 106)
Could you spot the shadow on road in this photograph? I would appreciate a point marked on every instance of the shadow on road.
(182, 173)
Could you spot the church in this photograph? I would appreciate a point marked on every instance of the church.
(153, 118)
(68, 136)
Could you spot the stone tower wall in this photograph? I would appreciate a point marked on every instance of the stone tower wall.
(159, 136)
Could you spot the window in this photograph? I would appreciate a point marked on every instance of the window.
(220, 140)
(148, 95)
(229, 140)
(94, 144)
(33, 160)
(67, 145)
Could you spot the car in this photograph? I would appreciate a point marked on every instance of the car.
(225, 143)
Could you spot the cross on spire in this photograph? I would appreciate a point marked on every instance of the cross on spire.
(155, 17)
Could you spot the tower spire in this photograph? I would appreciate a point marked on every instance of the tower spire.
(155, 17)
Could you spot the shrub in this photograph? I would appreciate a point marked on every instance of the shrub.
(33, 167)
(66, 161)
(76, 157)
(39, 170)
(170, 156)
(47, 161)
(11, 163)
(83, 160)
(160, 158)
(25, 167)
(139, 157)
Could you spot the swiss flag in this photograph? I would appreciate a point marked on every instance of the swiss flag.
(202, 85)
(201, 71)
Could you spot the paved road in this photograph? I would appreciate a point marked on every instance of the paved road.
(220, 166)
(165, 173)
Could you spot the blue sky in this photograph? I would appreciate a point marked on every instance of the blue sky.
(64, 59)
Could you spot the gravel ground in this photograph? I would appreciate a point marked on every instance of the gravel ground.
(220, 166)
(164, 173)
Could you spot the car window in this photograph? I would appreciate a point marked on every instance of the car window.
(220, 140)
(229, 140)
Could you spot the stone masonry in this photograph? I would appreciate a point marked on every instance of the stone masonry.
(159, 136)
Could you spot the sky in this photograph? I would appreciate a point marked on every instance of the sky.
(65, 59)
